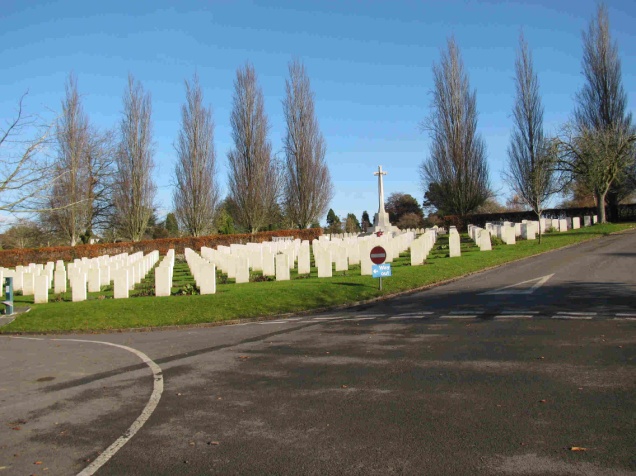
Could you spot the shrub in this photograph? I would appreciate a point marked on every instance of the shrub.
(15, 257)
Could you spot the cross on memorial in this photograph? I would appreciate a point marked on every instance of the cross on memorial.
(380, 173)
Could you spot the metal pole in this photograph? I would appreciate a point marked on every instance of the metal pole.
(380, 284)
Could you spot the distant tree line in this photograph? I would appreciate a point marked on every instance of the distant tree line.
(592, 155)
(99, 183)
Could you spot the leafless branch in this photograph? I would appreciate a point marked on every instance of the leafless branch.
(134, 188)
(196, 195)
(307, 182)
(254, 177)
(530, 171)
(456, 167)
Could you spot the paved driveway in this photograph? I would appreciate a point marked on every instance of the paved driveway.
(492, 374)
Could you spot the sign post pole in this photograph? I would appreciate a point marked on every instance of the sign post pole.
(378, 256)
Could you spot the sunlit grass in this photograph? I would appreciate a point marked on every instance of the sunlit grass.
(266, 297)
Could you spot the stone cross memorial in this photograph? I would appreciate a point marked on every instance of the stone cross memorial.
(381, 220)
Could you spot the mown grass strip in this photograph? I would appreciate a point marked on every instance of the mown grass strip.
(269, 298)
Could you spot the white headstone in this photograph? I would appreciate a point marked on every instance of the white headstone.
(484, 240)
(282, 267)
(417, 252)
(454, 246)
(242, 270)
(576, 223)
(207, 283)
(28, 283)
(304, 261)
(163, 281)
(78, 287)
(508, 235)
(342, 263)
(365, 260)
(269, 268)
(528, 230)
(41, 294)
(94, 280)
(59, 280)
(121, 285)
(323, 263)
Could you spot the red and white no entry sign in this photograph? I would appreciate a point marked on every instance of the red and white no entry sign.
(378, 255)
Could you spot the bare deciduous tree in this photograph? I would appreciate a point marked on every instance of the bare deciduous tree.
(254, 177)
(134, 191)
(598, 149)
(25, 175)
(196, 195)
(80, 198)
(530, 170)
(307, 182)
(597, 157)
(456, 167)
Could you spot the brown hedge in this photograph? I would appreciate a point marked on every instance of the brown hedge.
(16, 257)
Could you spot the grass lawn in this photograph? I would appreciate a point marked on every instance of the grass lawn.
(266, 297)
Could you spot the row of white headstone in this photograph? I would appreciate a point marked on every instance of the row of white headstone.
(84, 275)
(271, 258)
(279, 258)
(202, 270)
(565, 224)
(508, 232)
(125, 277)
(481, 237)
(422, 245)
(164, 272)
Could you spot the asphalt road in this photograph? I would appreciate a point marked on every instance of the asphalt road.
(499, 373)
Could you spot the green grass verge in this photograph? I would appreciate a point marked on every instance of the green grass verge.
(267, 298)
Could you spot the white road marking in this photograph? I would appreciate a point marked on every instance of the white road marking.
(577, 313)
(626, 314)
(511, 289)
(326, 318)
(459, 316)
(514, 316)
(272, 322)
(406, 317)
(520, 311)
(361, 319)
(157, 390)
(293, 319)
(421, 313)
(564, 316)
(625, 318)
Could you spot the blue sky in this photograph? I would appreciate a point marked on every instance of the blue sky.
(369, 64)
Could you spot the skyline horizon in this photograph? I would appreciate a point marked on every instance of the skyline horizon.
(370, 72)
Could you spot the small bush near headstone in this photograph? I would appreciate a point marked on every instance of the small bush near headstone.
(187, 290)
(495, 241)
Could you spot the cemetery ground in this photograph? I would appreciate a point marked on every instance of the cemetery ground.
(470, 377)
(263, 297)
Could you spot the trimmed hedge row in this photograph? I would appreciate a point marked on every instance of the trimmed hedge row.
(16, 257)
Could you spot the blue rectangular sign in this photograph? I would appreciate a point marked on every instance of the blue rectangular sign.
(381, 270)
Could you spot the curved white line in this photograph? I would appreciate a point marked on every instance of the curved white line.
(141, 419)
